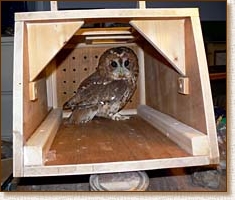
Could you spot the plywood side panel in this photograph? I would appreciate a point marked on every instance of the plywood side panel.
(162, 87)
(74, 65)
(34, 111)
(44, 42)
(167, 37)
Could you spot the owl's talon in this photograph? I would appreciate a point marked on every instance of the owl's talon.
(118, 117)
(84, 121)
(69, 122)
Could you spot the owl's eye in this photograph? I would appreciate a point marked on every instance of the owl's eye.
(114, 64)
(126, 63)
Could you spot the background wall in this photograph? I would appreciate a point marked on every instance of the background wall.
(209, 11)
(6, 86)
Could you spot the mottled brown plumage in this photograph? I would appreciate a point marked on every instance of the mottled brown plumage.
(105, 92)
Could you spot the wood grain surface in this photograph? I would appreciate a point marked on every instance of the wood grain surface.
(104, 140)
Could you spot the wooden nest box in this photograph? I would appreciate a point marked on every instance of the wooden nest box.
(172, 122)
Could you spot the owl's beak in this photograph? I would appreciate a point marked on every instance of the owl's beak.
(121, 72)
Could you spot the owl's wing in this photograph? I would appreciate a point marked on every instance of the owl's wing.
(95, 90)
(83, 91)
(107, 92)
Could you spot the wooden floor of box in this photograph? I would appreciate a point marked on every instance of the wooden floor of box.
(104, 140)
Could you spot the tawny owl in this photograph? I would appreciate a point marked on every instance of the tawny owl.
(105, 92)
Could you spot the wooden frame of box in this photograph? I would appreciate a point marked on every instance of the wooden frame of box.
(172, 123)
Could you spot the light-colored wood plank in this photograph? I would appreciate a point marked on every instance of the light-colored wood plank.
(54, 6)
(141, 4)
(191, 140)
(34, 111)
(113, 37)
(108, 41)
(39, 143)
(206, 89)
(33, 91)
(142, 95)
(93, 15)
(51, 84)
(183, 85)
(18, 100)
(111, 167)
(44, 42)
(18, 154)
(104, 31)
(162, 35)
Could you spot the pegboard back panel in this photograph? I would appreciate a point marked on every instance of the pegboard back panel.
(76, 64)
